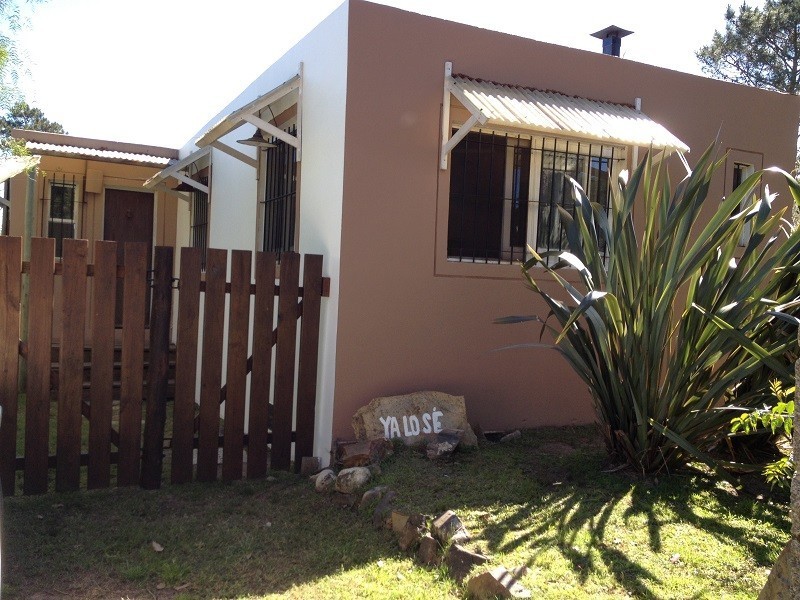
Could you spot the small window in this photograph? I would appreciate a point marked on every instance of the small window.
(505, 190)
(280, 195)
(62, 215)
(5, 206)
(199, 222)
(742, 171)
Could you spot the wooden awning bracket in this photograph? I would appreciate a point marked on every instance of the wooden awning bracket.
(476, 116)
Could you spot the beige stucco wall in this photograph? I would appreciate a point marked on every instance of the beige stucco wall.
(91, 213)
(408, 320)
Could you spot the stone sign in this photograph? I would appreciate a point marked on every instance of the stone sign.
(413, 418)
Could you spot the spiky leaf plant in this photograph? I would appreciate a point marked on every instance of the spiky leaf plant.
(678, 314)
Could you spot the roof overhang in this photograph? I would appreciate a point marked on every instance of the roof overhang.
(250, 113)
(14, 165)
(174, 170)
(520, 108)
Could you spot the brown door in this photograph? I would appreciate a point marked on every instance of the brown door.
(128, 218)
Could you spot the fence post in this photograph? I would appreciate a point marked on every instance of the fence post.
(158, 370)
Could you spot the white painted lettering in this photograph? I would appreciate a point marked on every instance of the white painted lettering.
(385, 422)
(437, 424)
(406, 431)
(395, 428)
(413, 422)
(426, 423)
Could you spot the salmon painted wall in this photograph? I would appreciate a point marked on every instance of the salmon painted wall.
(408, 319)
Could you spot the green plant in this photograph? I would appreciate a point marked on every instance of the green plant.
(778, 419)
(665, 328)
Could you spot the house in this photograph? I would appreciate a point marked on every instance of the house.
(420, 156)
(91, 189)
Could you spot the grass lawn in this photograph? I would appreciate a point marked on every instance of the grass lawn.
(542, 500)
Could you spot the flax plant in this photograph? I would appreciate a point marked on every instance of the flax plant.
(678, 315)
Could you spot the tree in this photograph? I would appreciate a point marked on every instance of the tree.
(12, 63)
(759, 47)
(22, 116)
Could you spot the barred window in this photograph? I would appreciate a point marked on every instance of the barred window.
(280, 195)
(62, 211)
(199, 220)
(505, 190)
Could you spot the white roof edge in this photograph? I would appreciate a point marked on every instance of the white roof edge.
(233, 119)
(175, 167)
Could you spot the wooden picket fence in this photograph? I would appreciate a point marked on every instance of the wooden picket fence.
(126, 409)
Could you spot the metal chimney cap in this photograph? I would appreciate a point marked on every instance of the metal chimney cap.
(611, 30)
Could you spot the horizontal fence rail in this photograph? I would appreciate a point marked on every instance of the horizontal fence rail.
(104, 405)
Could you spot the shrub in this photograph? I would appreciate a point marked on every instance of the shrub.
(665, 328)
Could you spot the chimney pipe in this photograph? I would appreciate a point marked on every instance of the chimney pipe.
(612, 39)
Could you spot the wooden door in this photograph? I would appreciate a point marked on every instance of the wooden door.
(128, 218)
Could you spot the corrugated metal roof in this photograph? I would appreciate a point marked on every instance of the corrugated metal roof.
(109, 155)
(553, 112)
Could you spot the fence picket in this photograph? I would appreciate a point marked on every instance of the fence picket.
(284, 361)
(158, 369)
(102, 369)
(211, 365)
(238, 329)
(37, 404)
(10, 269)
(70, 370)
(309, 351)
(261, 379)
(186, 367)
(132, 363)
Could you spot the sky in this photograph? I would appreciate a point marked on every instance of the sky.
(156, 71)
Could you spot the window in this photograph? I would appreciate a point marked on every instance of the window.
(5, 206)
(199, 221)
(505, 190)
(742, 171)
(280, 196)
(62, 212)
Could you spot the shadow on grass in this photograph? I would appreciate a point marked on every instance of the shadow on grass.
(580, 511)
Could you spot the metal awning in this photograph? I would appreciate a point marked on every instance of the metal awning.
(14, 165)
(517, 107)
(249, 113)
(174, 170)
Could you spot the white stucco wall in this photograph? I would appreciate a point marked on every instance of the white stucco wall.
(233, 206)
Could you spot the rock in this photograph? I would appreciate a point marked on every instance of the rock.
(413, 418)
(383, 509)
(497, 583)
(362, 454)
(370, 496)
(448, 527)
(309, 465)
(444, 443)
(410, 536)
(399, 520)
(350, 480)
(460, 561)
(428, 551)
(325, 480)
(511, 436)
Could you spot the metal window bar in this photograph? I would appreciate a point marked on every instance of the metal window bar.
(280, 196)
(199, 226)
(61, 221)
(496, 209)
